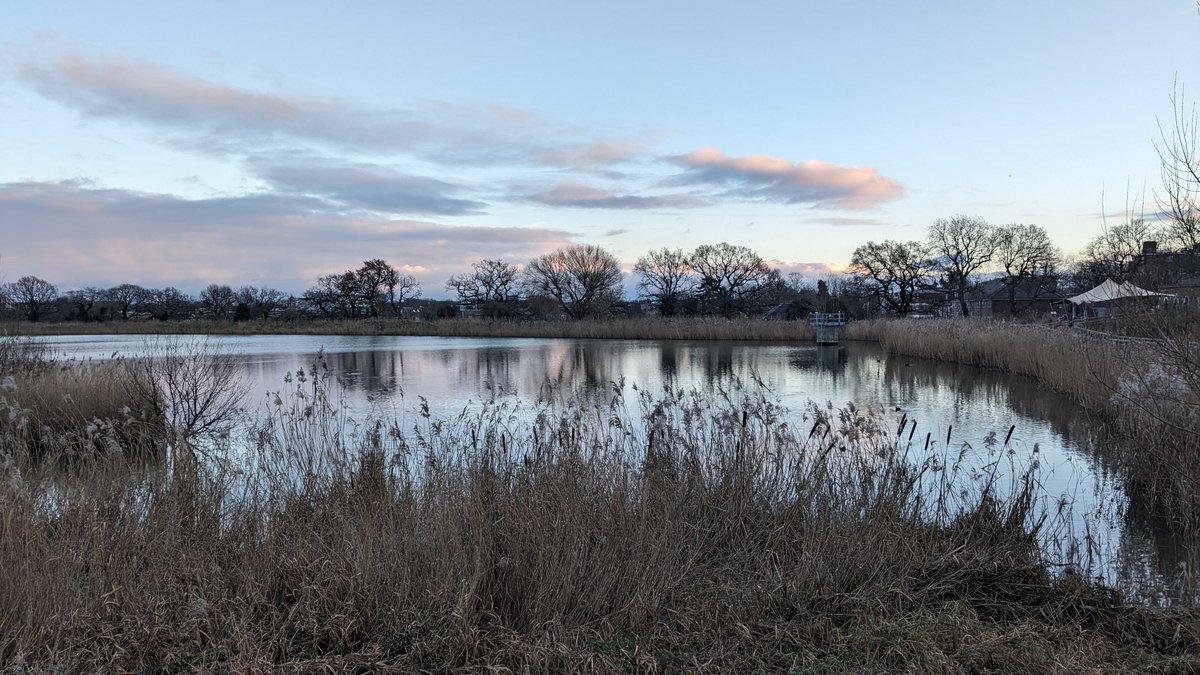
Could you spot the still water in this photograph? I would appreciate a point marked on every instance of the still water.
(955, 407)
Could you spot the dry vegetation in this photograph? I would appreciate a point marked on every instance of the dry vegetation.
(1149, 390)
(702, 532)
(639, 328)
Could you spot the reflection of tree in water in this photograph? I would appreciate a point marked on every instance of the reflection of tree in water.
(825, 358)
(904, 379)
(369, 371)
(718, 363)
(668, 360)
(496, 368)
(1154, 556)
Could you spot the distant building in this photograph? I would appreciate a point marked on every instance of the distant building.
(1029, 298)
(1175, 272)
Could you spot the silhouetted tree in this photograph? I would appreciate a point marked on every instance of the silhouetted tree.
(167, 303)
(584, 280)
(733, 279)
(666, 278)
(218, 299)
(378, 281)
(962, 245)
(84, 301)
(32, 295)
(892, 273)
(1112, 252)
(1030, 263)
(261, 300)
(1181, 175)
(489, 281)
(126, 296)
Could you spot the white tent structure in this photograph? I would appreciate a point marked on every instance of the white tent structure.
(1109, 291)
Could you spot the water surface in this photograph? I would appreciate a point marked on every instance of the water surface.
(957, 409)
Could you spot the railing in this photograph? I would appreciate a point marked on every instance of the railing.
(827, 319)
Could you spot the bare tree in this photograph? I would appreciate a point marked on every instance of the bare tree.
(963, 245)
(491, 282)
(1181, 174)
(666, 277)
(378, 281)
(193, 388)
(167, 303)
(218, 299)
(338, 295)
(85, 300)
(32, 295)
(1030, 263)
(733, 279)
(585, 280)
(126, 296)
(892, 273)
(1113, 252)
(261, 300)
(406, 287)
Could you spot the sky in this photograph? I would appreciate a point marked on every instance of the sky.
(269, 143)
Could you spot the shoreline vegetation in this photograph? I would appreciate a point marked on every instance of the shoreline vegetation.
(698, 532)
(636, 328)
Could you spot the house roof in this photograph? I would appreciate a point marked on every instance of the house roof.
(1026, 289)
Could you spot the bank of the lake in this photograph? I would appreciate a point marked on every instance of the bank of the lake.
(631, 328)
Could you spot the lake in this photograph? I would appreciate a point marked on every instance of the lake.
(956, 408)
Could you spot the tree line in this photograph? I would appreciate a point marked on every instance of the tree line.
(584, 280)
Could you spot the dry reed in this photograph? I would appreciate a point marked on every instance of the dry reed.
(711, 532)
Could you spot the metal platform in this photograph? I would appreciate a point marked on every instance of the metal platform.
(828, 326)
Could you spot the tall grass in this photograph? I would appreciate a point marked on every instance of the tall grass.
(636, 328)
(703, 531)
(66, 409)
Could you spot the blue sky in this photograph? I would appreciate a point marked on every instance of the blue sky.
(190, 143)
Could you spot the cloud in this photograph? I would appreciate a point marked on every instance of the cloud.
(616, 233)
(371, 188)
(808, 270)
(763, 178)
(580, 196)
(74, 235)
(234, 120)
(845, 222)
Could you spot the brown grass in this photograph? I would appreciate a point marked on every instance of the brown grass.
(68, 409)
(699, 533)
(640, 328)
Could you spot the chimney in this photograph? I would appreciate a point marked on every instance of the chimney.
(1149, 247)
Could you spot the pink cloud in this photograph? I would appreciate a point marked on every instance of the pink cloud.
(760, 177)
(573, 194)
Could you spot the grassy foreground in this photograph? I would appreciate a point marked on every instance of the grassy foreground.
(700, 533)
(638, 328)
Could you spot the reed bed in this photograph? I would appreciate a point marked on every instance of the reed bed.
(633, 328)
(68, 409)
(1085, 367)
(1149, 391)
(703, 531)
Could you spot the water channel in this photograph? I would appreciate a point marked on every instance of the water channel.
(963, 403)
